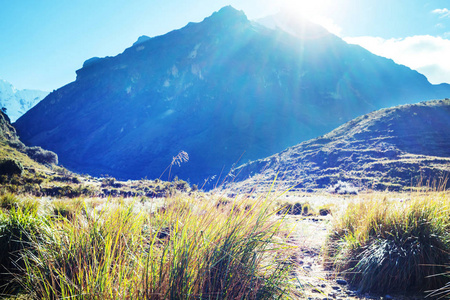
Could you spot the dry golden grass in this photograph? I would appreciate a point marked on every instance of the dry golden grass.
(184, 248)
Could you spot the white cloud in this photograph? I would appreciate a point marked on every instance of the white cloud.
(444, 12)
(427, 54)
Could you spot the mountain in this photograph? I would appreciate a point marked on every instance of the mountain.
(33, 170)
(22, 168)
(7, 131)
(390, 148)
(221, 90)
(12, 148)
(18, 102)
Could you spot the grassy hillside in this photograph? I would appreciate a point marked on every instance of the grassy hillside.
(395, 148)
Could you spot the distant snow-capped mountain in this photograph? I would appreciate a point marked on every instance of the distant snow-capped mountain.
(18, 102)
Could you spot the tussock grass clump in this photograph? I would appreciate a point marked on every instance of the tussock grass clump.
(326, 209)
(190, 249)
(27, 204)
(8, 201)
(18, 228)
(393, 246)
(67, 208)
(296, 208)
(90, 256)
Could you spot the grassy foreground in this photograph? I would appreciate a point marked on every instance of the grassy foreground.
(205, 247)
(386, 245)
(181, 248)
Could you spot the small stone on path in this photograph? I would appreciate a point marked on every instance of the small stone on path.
(341, 281)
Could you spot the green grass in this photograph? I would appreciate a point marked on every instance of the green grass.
(8, 201)
(384, 245)
(19, 227)
(189, 248)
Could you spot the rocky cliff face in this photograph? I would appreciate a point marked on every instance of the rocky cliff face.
(391, 148)
(11, 148)
(7, 131)
(222, 89)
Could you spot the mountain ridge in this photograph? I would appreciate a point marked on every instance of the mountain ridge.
(394, 148)
(219, 89)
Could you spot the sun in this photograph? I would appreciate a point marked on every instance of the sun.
(304, 7)
(315, 11)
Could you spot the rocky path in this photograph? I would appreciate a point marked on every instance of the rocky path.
(314, 282)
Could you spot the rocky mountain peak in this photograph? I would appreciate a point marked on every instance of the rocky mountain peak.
(91, 61)
(228, 14)
(141, 39)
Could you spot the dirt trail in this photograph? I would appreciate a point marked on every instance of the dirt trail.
(314, 282)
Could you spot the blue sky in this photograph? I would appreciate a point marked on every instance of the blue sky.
(43, 43)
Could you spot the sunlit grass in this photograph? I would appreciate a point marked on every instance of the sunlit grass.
(19, 227)
(118, 249)
(384, 245)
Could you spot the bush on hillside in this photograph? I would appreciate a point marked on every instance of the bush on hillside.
(10, 167)
(42, 156)
(17, 145)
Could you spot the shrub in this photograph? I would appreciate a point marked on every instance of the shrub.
(17, 144)
(306, 209)
(42, 156)
(290, 209)
(295, 209)
(324, 210)
(182, 185)
(108, 181)
(390, 246)
(10, 167)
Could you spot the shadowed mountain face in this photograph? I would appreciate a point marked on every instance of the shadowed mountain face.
(220, 89)
(390, 148)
